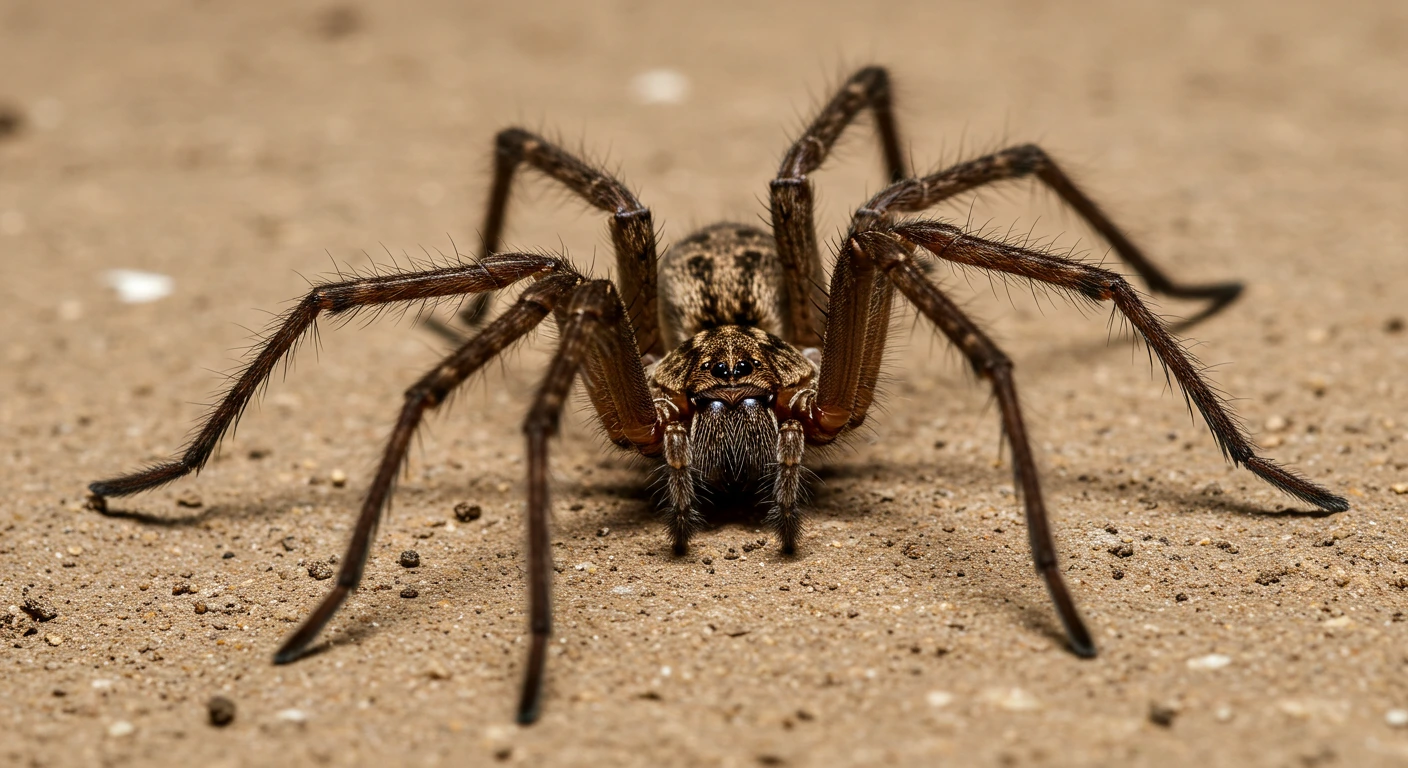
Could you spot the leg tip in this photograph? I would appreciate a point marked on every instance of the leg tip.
(527, 715)
(1084, 648)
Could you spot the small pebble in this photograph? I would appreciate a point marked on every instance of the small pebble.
(1162, 714)
(410, 559)
(1276, 424)
(292, 716)
(338, 478)
(137, 287)
(183, 589)
(121, 728)
(1396, 718)
(1210, 661)
(11, 120)
(54, 640)
(1399, 488)
(320, 570)
(660, 86)
(1123, 550)
(603, 532)
(229, 555)
(938, 699)
(1011, 699)
(467, 513)
(190, 500)
(1394, 325)
(38, 608)
(410, 593)
(221, 711)
(200, 608)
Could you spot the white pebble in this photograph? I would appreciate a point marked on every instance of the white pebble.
(1210, 661)
(135, 287)
(1396, 718)
(660, 86)
(121, 728)
(293, 716)
(623, 590)
(1011, 699)
(939, 699)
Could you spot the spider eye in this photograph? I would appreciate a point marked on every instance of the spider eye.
(720, 370)
(743, 368)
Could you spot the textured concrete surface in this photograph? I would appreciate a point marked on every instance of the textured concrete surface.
(241, 148)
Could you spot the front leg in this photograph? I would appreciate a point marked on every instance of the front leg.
(791, 191)
(788, 488)
(681, 518)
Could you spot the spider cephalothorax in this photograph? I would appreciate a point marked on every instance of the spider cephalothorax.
(726, 358)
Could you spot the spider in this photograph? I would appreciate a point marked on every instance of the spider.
(724, 360)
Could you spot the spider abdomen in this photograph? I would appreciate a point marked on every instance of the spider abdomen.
(725, 274)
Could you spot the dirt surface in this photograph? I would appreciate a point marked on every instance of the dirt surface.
(238, 147)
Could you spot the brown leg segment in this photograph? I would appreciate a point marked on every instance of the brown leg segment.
(632, 232)
(525, 315)
(787, 489)
(892, 259)
(594, 308)
(1095, 284)
(912, 195)
(336, 299)
(792, 219)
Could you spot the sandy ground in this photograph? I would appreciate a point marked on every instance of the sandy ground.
(237, 147)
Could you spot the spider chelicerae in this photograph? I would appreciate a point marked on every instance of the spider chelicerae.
(725, 359)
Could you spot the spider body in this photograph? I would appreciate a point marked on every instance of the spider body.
(728, 388)
(726, 358)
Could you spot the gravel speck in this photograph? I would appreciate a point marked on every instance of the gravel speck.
(338, 478)
(1162, 714)
(1210, 661)
(292, 716)
(200, 608)
(1122, 550)
(467, 513)
(1396, 718)
(38, 608)
(221, 711)
(938, 699)
(190, 500)
(320, 570)
(410, 559)
(1011, 699)
(229, 555)
(410, 593)
(121, 728)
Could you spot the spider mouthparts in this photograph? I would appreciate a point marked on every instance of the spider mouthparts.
(732, 396)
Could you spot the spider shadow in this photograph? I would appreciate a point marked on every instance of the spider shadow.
(1035, 614)
(267, 507)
